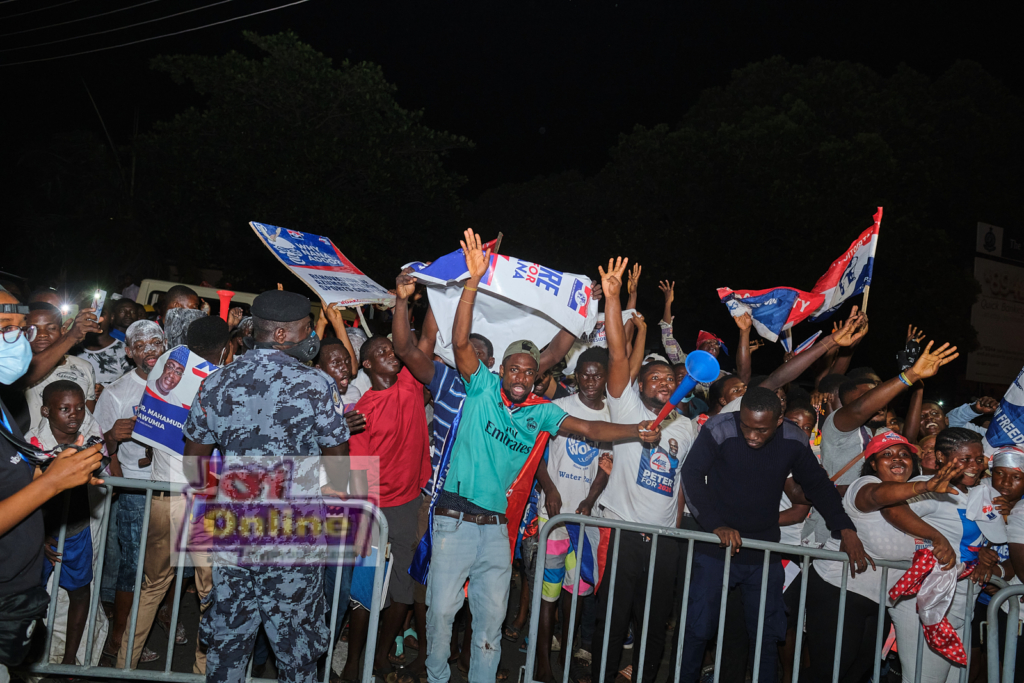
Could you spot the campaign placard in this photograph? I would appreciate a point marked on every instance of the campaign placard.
(316, 261)
(172, 386)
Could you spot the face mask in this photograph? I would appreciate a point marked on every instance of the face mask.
(303, 351)
(15, 358)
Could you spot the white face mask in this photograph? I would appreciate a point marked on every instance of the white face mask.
(14, 359)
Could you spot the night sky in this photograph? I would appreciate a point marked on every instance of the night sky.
(540, 87)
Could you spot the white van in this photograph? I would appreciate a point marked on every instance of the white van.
(150, 291)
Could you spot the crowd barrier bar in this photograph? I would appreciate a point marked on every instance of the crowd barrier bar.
(127, 673)
(1010, 645)
(692, 537)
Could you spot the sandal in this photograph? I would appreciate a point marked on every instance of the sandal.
(180, 638)
(396, 660)
(502, 676)
(406, 676)
(511, 633)
(148, 656)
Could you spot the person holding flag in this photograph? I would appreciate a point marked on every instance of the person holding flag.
(496, 441)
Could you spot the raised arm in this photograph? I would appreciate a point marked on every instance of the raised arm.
(851, 331)
(46, 360)
(852, 416)
(744, 322)
(636, 356)
(555, 351)
(633, 286)
(476, 262)
(428, 336)
(419, 364)
(618, 363)
(912, 428)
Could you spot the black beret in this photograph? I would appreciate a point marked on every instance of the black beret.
(279, 306)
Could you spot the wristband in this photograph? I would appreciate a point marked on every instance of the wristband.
(1000, 568)
(472, 289)
(903, 378)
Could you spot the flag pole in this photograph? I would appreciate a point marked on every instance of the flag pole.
(874, 246)
(497, 243)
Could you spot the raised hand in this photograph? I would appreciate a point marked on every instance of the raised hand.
(986, 405)
(611, 280)
(940, 481)
(333, 313)
(405, 284)
(638, 321)
(634, 278)
(668, 289)
(476, 258)
(596, 292)
(930, 361)
(85, 322)
(744, 322)
(914, 334)
(852, 330)
(235, 316)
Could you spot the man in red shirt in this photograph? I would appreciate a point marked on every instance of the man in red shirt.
(393, 453)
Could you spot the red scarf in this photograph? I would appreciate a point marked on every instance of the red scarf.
(519, 492)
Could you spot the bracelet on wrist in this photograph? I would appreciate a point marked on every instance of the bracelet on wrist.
(903, 378)
(471, 289)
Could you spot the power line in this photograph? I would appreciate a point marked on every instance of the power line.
(165, 35)
(119, 28)
(74, 21)
(33, 11)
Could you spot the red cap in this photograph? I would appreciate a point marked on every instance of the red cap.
(885, 440)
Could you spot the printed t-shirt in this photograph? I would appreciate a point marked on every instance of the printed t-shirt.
(118, 402)
(948, 515)
(644, 483)
(572, 460)
(394, 448)
(71, 368)
(109, 364)
(882, 541)
(494, 441)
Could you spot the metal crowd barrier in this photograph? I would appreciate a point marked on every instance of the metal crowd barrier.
(692, 537)
(127, 673)
(1010, 645)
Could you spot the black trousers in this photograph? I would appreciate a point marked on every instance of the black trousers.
(860, 625)
(628, 604)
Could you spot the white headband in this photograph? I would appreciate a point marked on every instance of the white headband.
(1009, 456)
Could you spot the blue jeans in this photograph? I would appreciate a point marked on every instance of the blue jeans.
(705, 602)
(480, 553)
(131, 507)
(111, 557)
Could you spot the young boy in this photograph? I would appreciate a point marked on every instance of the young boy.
(64, 417)
(105, 351)
(49, 332)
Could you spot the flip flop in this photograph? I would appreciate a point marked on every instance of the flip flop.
(511, 633)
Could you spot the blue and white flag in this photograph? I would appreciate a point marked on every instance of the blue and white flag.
(517, 300)
(1007, 426)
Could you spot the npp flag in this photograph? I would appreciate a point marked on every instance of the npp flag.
(1007, 427)
(590, 555)
(517, 300)
(778, 309)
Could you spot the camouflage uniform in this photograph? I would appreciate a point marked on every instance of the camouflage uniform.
(266, 408)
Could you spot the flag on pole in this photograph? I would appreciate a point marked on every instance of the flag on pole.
(777, 310)
(808, 343)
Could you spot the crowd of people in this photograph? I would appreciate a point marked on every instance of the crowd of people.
(814, 454)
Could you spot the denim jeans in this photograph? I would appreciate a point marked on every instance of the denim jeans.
(130, 510)
(111, 556)
(480, 553)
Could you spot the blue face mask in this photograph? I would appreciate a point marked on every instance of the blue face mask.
(14, 359)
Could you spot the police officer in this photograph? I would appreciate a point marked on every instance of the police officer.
(269, 413)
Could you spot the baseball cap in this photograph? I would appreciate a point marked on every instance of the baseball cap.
(522, 346)
(886, 440)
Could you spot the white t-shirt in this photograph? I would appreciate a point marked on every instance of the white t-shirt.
(644, 484)
(946, 513)
(118, 402)
(353, 392)
(881, 540)
(72, 369)
(109, 364)
(790, 534)
(837, 449)
(597, 337)
(572, 460)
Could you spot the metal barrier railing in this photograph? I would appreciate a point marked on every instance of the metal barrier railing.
(88, 670)
(692, 537)
(1012, 633)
